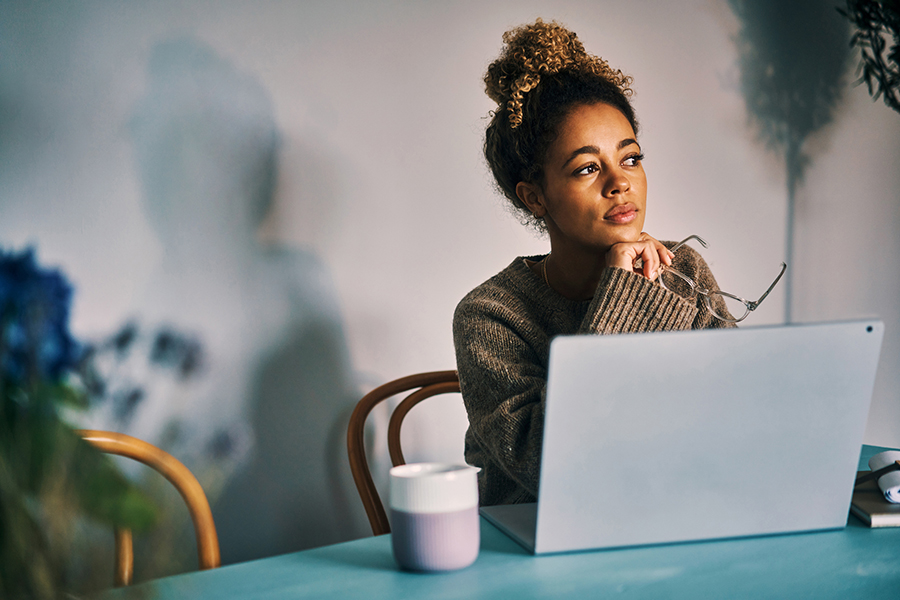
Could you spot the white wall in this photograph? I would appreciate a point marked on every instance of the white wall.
(381, 111)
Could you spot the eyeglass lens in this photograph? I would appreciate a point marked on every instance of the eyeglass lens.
(734, 310)
(674, 281)
(721, 304)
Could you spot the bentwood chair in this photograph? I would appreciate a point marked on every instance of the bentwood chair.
(183, 480)
(425, 385)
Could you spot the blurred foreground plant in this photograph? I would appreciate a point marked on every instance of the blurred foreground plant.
(877, 23)
(49, 476)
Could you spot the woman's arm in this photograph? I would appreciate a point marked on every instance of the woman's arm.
(502, 352)
(502, 379)
(628, 302)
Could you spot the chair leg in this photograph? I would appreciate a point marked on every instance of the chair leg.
(124, 557)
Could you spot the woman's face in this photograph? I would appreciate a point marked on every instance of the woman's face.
(594, 192)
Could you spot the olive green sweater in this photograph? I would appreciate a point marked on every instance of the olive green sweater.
(502, 332)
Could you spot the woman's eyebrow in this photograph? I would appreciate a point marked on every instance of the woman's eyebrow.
(580, 151)
(595, 150)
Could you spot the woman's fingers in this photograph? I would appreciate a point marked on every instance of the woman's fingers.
(665, 255)
(650, 258)
(643, 256)
(623, 255)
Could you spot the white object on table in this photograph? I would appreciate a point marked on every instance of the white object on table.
(889, 483)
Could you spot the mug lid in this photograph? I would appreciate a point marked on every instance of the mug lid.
(433, 487)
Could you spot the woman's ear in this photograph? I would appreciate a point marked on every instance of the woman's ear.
(532, 197)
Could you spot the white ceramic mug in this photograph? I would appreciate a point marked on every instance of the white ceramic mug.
(434, 516)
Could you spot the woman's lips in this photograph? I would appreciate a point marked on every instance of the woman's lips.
(621, 214)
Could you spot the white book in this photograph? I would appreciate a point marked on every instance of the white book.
(868, 504)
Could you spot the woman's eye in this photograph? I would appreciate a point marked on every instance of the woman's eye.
(633, 160)
(587, 169)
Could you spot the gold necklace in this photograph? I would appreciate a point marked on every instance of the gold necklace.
(544, 270)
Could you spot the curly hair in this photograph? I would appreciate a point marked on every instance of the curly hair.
(542, 73)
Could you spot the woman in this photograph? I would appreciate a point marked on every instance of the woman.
(563, 148)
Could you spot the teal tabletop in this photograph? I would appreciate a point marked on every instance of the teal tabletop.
(855, 562)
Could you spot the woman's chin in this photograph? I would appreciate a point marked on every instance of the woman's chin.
(622, 234)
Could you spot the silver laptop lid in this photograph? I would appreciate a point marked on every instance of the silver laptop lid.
(666, 437)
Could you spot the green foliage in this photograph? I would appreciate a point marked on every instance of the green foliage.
(877, 23)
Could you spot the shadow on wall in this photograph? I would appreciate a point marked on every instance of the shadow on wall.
(260, 412)
(793, 57)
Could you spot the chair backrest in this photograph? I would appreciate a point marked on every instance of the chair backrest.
(183, 480)
(426, 386)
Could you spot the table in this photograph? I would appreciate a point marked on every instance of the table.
(856, 562)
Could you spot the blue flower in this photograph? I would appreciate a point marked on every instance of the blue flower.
(35, 343)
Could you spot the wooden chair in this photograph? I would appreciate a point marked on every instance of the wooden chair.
(183, 480)
(426, 386)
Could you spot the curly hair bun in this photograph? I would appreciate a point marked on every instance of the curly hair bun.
(532, 51)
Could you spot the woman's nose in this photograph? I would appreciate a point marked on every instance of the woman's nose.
(616, 183)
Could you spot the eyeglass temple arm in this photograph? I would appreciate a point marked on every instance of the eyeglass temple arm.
(685, 240)
(753, 305)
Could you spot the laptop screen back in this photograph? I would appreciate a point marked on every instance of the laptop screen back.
(666, 437)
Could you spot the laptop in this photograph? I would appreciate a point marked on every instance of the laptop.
(681, 436)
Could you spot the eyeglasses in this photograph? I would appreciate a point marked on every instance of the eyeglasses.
(722, 305)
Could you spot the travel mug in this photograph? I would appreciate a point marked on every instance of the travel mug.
(434, 516)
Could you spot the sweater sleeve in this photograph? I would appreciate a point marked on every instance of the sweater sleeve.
(502, 379)
(502, 337)
(626, 302)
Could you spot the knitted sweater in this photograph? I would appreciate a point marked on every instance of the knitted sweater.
(502, 332)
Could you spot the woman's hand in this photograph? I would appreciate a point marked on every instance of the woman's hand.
(647, 249)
